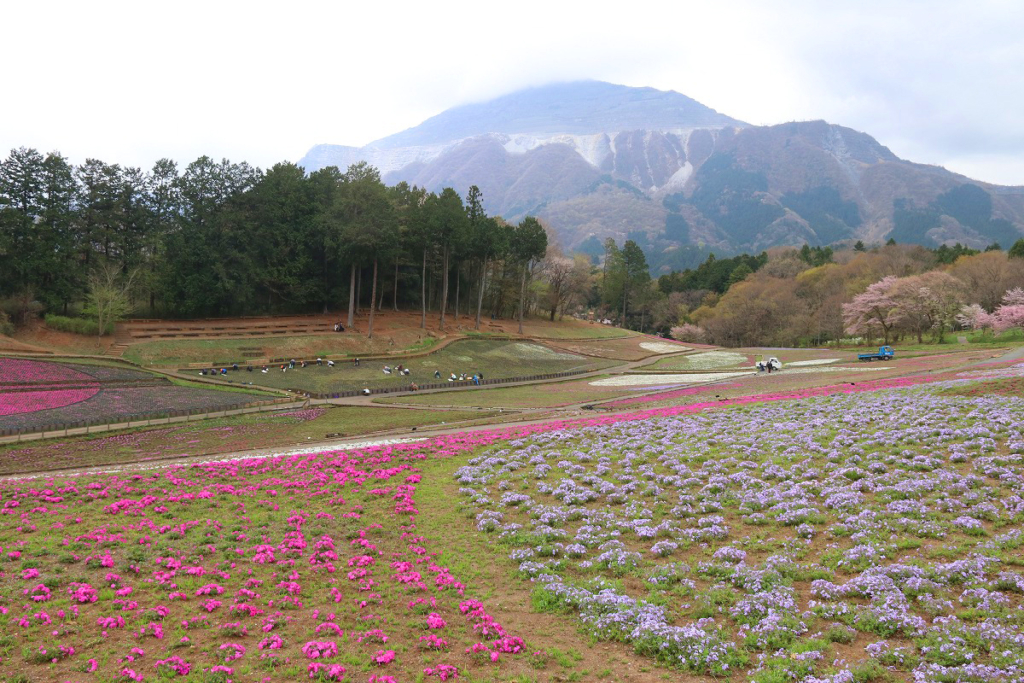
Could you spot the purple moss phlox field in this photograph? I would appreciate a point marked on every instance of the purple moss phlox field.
(764, 534)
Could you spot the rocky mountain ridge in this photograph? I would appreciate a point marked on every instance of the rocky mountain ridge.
(596, 160)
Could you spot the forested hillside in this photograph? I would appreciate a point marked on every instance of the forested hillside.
(228, 239)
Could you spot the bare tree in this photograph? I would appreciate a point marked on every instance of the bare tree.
(109, 293)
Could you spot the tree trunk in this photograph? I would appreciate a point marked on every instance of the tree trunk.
(625, 294)
(444, 286)
(458, 284)
(394, 303)
(359, 291)
(373, 296)
(522, 298)
(480, 294)
(423, 292)
(352, 295)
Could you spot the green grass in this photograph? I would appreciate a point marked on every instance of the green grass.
(221, 435)
(252, 391)
(548, 395)
(222, 351)
(496, 359)
(581, 331)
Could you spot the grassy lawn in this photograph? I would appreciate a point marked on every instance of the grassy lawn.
(531, 396)
(621, 348)
(222, 351)
(230, 389)
(496, 359)
(576, 330)
(222, 435)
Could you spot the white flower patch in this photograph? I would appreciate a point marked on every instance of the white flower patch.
(663, 347)
(657, 380)
(816, 361)
(714, 359)
(524, 351)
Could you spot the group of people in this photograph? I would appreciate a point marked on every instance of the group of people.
(771, 365)
(401, 370)
(476, 377)
(338, 327)
(284, 367)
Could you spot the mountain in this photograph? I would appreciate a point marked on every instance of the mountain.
(595, 160)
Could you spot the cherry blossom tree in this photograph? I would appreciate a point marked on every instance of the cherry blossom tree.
(974, 317)
(871, 312)
(1011, 313)
(927, 302)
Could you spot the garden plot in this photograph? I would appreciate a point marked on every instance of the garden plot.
(38, 411)
(811, 541)
(665, 379)
(663, 347)
(704, 361)
(492, 358)
(282, 569)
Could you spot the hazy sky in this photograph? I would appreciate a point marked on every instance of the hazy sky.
(938, 82)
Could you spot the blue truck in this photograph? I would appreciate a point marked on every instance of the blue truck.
(884, 353)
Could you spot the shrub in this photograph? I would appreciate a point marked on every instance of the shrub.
(76, 325)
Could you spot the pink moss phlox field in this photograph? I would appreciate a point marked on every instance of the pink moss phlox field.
(20, 371)
(31, 401)
(235, 569)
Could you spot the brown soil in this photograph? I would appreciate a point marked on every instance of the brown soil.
(392, 331)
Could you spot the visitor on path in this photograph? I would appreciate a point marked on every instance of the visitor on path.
(476, 380)
(319, 361)
(330, 363)
(413, 387)
(356, 362)
(437, 374)
(366, 391)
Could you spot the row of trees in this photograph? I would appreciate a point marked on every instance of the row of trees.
(931, 302)
(223, 239)
(887, 292)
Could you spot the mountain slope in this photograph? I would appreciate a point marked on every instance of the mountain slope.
(579, 108)
(596, 160)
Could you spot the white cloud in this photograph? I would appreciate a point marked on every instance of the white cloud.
(938, 82)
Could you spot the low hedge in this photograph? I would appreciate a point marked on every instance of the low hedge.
(76, 325)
